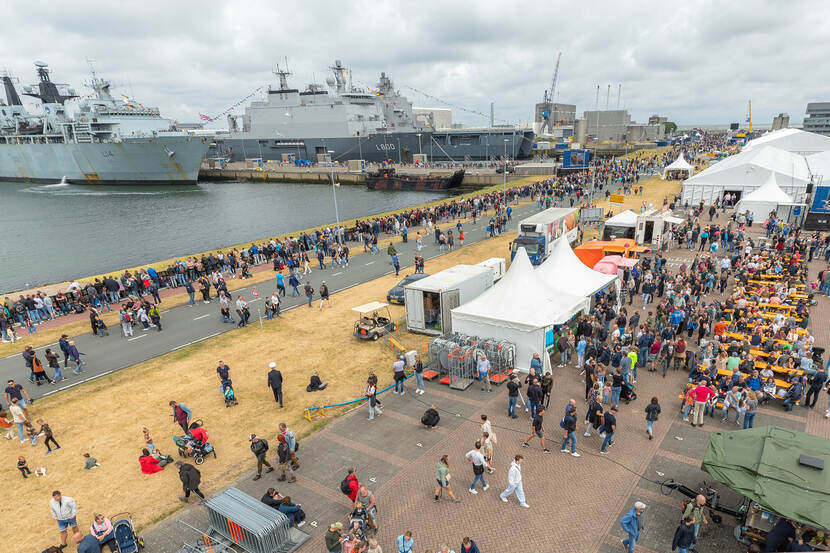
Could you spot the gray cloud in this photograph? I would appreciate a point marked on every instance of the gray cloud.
(695, 62)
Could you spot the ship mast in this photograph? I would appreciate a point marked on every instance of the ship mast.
(283, 74)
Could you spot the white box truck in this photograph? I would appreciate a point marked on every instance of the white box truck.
(538, 232)
(430, 300)
(497, 265)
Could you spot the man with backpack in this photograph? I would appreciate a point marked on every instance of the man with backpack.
(349, 485)
(293, 445)
(259, 447)
(126, 323)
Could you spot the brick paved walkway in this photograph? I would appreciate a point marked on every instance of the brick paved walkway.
(576, 503)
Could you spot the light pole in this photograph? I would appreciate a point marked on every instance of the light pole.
(399, 152)
(360, 152)
(504, 171)
(419, 143)
(333, 187)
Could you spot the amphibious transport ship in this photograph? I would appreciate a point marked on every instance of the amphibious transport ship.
(97, 140)
(354, 123)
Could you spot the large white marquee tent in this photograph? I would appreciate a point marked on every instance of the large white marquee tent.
(521, 308)
(794, 141)
(564, 267)
(746, 171)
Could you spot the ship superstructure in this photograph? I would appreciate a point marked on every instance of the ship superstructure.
(347, 121)
(102, 140)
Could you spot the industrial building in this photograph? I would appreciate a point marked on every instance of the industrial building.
(780, 121)
(436, 118)
(818, 117)
(556, 115)
(616, 125)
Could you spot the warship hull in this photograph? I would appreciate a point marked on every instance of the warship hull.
(458, 146)
(151, 160)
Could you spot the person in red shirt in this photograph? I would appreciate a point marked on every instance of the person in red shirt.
(149, 464)
(719, 329)
(701, 394)
(354, 486)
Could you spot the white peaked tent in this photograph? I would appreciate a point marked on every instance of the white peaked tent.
(794, 141)
(820, 167)
(679, 164)
(564, 269)
(747, 171)
(764, 199)
(520, 308)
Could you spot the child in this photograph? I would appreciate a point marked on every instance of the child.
(606, 391)
(90, 462)
(148, 440)
(374, 547)
(46, 431)
(31, 432)
(23, 467)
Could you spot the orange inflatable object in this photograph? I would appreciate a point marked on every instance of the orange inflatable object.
(592, 252)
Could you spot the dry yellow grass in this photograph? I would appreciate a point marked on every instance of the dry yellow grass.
(105, 417)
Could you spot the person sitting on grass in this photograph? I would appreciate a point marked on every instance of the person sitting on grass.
(315, 384)
(90, 462)
(149, 463)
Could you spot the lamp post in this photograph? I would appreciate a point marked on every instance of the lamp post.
(504, 171)
(333, 187)
(399, 152)
(360, 152)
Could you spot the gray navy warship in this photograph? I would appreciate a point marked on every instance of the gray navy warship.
(96, 140)
(355, 123)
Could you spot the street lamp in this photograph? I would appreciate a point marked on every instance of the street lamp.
(360, 151)
(504, 171)
(419, 146)
(333, 187)
(399, 152)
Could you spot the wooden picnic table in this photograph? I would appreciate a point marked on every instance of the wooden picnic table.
(778, 382)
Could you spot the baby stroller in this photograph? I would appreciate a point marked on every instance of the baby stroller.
(126, 540)
(627, 393)
(228, 393)
(191, 446)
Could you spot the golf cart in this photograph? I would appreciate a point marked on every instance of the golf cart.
(375, 321)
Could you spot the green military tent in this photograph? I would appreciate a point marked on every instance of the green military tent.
(763, 464)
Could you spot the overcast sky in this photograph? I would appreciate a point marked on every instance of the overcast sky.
(693, 61)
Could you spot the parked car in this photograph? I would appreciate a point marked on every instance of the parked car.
(395, 295)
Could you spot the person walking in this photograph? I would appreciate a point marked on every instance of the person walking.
(443, 476)
(477, 460)
(63, 343)
(259, 447)
(275, 382)
(399, 375)
(371, 393)
(75, 356)
(750, 409)
(632, 523)
(652, 412)
(126, 326)
(46, 430)
(324, 295)
(55, 365)
(513, 387)
(609, 426)
(537, 428)
(405, 542)
(514, 482)
(309, 292)
(181, 415)
(816, 383)
(568, 424)
(190, 477)
(684, 536)
(64, 510)
(695, 511)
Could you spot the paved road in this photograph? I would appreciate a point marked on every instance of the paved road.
(187, 325)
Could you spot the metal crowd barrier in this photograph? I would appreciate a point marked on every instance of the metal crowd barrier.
(252, 525)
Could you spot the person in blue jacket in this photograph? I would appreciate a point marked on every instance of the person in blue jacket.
(632, 523)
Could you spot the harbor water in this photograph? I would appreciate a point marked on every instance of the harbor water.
(57, 232)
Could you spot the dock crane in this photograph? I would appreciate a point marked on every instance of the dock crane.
(547, 100)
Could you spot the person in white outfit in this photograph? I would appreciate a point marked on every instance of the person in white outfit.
(514, 482)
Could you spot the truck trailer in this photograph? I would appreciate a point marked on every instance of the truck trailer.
(430, 300)
(538, 232)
